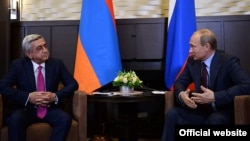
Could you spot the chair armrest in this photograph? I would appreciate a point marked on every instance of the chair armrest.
(1, 111)
(80, 113)
(169, 100)
(241, 109)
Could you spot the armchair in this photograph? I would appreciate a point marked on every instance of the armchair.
(241, 107)
(77, 106)
(241, 110)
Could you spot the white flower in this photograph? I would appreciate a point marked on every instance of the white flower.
(127, 79)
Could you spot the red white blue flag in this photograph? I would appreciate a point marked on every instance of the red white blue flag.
(97, 57)
(181, 25)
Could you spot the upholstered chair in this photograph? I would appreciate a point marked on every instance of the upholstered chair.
(77, 106)
(241, 107)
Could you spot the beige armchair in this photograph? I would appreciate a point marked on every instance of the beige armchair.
(42, 131)
(241, 107)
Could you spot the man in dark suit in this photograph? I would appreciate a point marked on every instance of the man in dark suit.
(20, 86)
(211, 104)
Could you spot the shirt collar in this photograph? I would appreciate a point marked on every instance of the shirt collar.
(209, 60)
(35, 65)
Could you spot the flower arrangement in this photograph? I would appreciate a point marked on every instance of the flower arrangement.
(127, 78)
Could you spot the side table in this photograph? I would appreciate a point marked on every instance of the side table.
(117, 105)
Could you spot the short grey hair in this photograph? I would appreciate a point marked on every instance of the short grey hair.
(26, 44)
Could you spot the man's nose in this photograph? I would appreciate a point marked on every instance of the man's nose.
(44, 49)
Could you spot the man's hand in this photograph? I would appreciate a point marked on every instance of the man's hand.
(206, 97)
(42, 98)
(184, 95)
(51, 96)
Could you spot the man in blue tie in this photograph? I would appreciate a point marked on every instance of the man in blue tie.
(216, 85)
(32, 84)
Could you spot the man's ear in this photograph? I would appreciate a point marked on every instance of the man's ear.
(208, 46)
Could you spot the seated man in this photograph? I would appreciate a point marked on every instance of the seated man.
(216, 85)
(36, 96)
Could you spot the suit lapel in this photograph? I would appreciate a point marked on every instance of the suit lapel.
(30, 74)
(215, 68)
(48, 73)
(197, 75)
(195, 67)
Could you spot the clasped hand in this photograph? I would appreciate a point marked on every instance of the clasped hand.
(192, 99)
(41, 98)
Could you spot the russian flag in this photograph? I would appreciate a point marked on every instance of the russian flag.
(97, 55)
(181, 25)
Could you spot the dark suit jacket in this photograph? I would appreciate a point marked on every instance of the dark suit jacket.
(21, 75)
(227, 79)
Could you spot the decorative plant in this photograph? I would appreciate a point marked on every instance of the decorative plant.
(127, 78)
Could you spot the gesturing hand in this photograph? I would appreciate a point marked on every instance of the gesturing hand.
(206, 97)
(185, 97)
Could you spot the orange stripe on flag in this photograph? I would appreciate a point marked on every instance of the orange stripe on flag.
(84, 72)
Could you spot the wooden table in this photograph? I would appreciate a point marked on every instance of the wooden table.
(122, 111)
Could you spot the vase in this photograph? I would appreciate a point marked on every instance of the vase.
(126, 89)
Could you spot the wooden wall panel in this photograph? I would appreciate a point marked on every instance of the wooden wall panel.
(64, 44)
(149, 41)
(215, 26)
(4, 36)
(126, 38)
(60, 36)
(232, 32)
(237, 41)
(233, 35)
(17, 34)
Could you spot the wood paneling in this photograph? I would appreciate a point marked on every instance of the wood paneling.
(63, 46)
(237, 41)
(61, 37)
(127, 40)
(4, 36)
(141, 41)
(233, 35)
